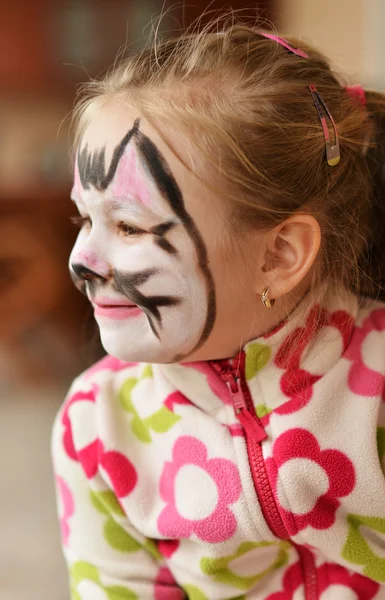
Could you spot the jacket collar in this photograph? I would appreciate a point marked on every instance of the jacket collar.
(279, 367)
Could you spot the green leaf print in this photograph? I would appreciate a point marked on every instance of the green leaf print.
(262, 410)
(81, 572)
(358, 551)
(194, 593)
(160, 421)
(257, 356)
(118, 538)
(106, 502)
(152, 549)
(220, 568)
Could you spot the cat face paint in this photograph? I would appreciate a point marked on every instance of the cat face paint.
(139, 255)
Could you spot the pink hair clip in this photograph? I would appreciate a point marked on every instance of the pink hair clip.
(285, 44)
(332, 149)
(357, 92)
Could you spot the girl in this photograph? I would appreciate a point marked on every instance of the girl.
(231, 444)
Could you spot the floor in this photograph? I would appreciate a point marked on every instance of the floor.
(31, 563)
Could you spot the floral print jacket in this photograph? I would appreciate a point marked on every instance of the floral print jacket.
(260, 477)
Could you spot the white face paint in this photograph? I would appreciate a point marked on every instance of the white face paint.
(140, 253)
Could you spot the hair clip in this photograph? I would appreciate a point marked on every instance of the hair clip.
(332, 149)
(285, 44)
(357, 93)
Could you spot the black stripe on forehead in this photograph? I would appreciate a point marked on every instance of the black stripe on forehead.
(92, 167)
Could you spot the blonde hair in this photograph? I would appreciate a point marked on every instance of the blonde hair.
(244, 101)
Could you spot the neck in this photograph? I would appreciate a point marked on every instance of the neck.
(266, 322)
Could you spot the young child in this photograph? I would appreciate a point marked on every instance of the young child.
(231, 444)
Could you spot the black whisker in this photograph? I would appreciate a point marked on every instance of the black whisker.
(166, 246)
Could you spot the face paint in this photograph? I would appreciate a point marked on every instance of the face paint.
(91, 261)
(162, 270)
(92, 169)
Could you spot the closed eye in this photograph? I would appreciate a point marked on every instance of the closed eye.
(128, 229)
(80, 221)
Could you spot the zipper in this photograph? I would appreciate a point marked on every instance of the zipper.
(255, 434)
(309, 571)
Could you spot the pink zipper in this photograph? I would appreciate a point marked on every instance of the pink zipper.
(255, 434)
(309, 571)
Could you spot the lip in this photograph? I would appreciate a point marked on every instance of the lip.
(115, 309)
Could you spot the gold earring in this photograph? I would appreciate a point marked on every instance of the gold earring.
(265, 299)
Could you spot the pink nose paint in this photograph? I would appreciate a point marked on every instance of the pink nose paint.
(90, 260)
(127, 181)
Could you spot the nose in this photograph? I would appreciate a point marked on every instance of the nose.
(80, 274)
(86, 267)
(84, 273)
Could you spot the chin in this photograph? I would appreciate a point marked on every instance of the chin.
(142, 352)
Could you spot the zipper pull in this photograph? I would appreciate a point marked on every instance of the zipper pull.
(248, 421)
(252, 425)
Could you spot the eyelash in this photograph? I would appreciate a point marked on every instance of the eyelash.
(130, 229)
(80, 221)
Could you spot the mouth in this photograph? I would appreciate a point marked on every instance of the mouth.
(115, 309)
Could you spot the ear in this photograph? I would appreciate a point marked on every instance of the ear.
(290, 251)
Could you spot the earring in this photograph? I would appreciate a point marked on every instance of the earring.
(267, 303)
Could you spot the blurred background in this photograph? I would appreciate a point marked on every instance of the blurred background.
(46, 331)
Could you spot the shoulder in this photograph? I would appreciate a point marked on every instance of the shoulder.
(370, 324)
(366, 351)
(76, 427)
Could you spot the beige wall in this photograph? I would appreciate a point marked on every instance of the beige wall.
(334, 26)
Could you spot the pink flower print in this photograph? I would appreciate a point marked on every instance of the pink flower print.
(120, 470)
(331, 576)
(307, 481)
(67, 507)
(292, 580)
(367, 373)
(198, 491)
(216, 384)
(175, 398)
(297, 383)
(166, 587)
(86, 455)
(236, 430)
(108, 363)
(168, 547)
